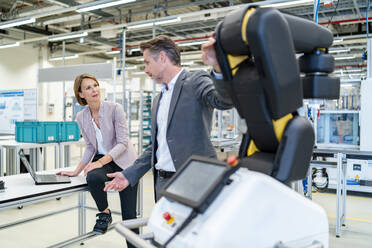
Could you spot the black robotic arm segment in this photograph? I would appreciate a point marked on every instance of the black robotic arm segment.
(307, 35)
(256, 50)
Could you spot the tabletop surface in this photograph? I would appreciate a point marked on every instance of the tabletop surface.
(22, 186)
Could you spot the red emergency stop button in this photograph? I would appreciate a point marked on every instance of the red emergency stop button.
(167, 216)
(232, 160)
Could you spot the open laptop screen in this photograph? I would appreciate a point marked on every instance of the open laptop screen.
(27, 164)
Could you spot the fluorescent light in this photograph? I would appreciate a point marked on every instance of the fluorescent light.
(192, 43)
(17, 22)
(342, 50)
(345, 57)
(337, 40)
(140, 25)
(187, 63)
(150, 24)
(135, 49)
(131, 67)
(288, 3)
(113, 52)
(9, 45)
(140, 59)
(66, 57)
(347, 71)
(103, 4)
(67, 36)
(178, 19)
(138, 73)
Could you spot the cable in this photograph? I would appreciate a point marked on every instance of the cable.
(316, 12)
(192, 215)
(367, 31)
(334, 13)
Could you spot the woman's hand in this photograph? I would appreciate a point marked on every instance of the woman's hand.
(91, 166)
(67, 173)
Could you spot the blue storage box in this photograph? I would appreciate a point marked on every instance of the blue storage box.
(69, 131)
(37, 131)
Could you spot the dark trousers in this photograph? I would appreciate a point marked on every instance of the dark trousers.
(128, 197)
(159, 183)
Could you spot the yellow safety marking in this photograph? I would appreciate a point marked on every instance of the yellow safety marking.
(170, 221)
(351, 218)
(349, 196)
(252, 148)
(245, 23)
(279, 126)
(234, 61)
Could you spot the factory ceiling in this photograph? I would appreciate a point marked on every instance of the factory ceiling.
(189, 22)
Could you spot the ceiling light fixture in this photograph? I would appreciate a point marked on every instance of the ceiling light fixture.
(113, 52)
(9, 45)
(348, 70)
(66, 57)
(138, 73)
(187, 63)
(68, 36)
(150, 24)
(342, 50)
(17, 22)
(345, 57)
(192, 43)
(131, 67)
(103, 4)
(337, 40)
(288, 3)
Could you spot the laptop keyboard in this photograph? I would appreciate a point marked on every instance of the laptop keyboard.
(47, 177)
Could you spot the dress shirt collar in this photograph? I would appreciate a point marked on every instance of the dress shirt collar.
(170, 85)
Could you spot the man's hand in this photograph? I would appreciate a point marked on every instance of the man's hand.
(92, 166)
(118, 183)
(209, 55)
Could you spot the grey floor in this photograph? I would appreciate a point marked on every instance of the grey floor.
(54, 229)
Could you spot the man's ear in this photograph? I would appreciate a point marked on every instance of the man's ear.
(163, 57)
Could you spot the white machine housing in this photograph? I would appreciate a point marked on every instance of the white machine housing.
(255, 210)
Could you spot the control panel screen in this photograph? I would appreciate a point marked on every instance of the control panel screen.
(196, 180)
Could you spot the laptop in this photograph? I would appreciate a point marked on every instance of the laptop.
(42, 178)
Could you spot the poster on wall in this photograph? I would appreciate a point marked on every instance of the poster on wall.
(19, 105)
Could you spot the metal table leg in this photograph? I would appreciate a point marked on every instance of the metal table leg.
(338, 193)
(82, 213)
(344, 193)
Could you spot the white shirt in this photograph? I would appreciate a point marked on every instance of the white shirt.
(163, 156)
(101, 148)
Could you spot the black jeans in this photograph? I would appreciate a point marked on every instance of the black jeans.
(128, 197)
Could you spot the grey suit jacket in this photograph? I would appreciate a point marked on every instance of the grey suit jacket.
(189, 122)
(114, 129)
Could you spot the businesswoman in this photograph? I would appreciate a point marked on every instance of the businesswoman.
(108, 149)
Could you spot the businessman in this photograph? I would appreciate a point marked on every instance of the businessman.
(181, 114)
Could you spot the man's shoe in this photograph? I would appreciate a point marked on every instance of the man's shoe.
(102, 223)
